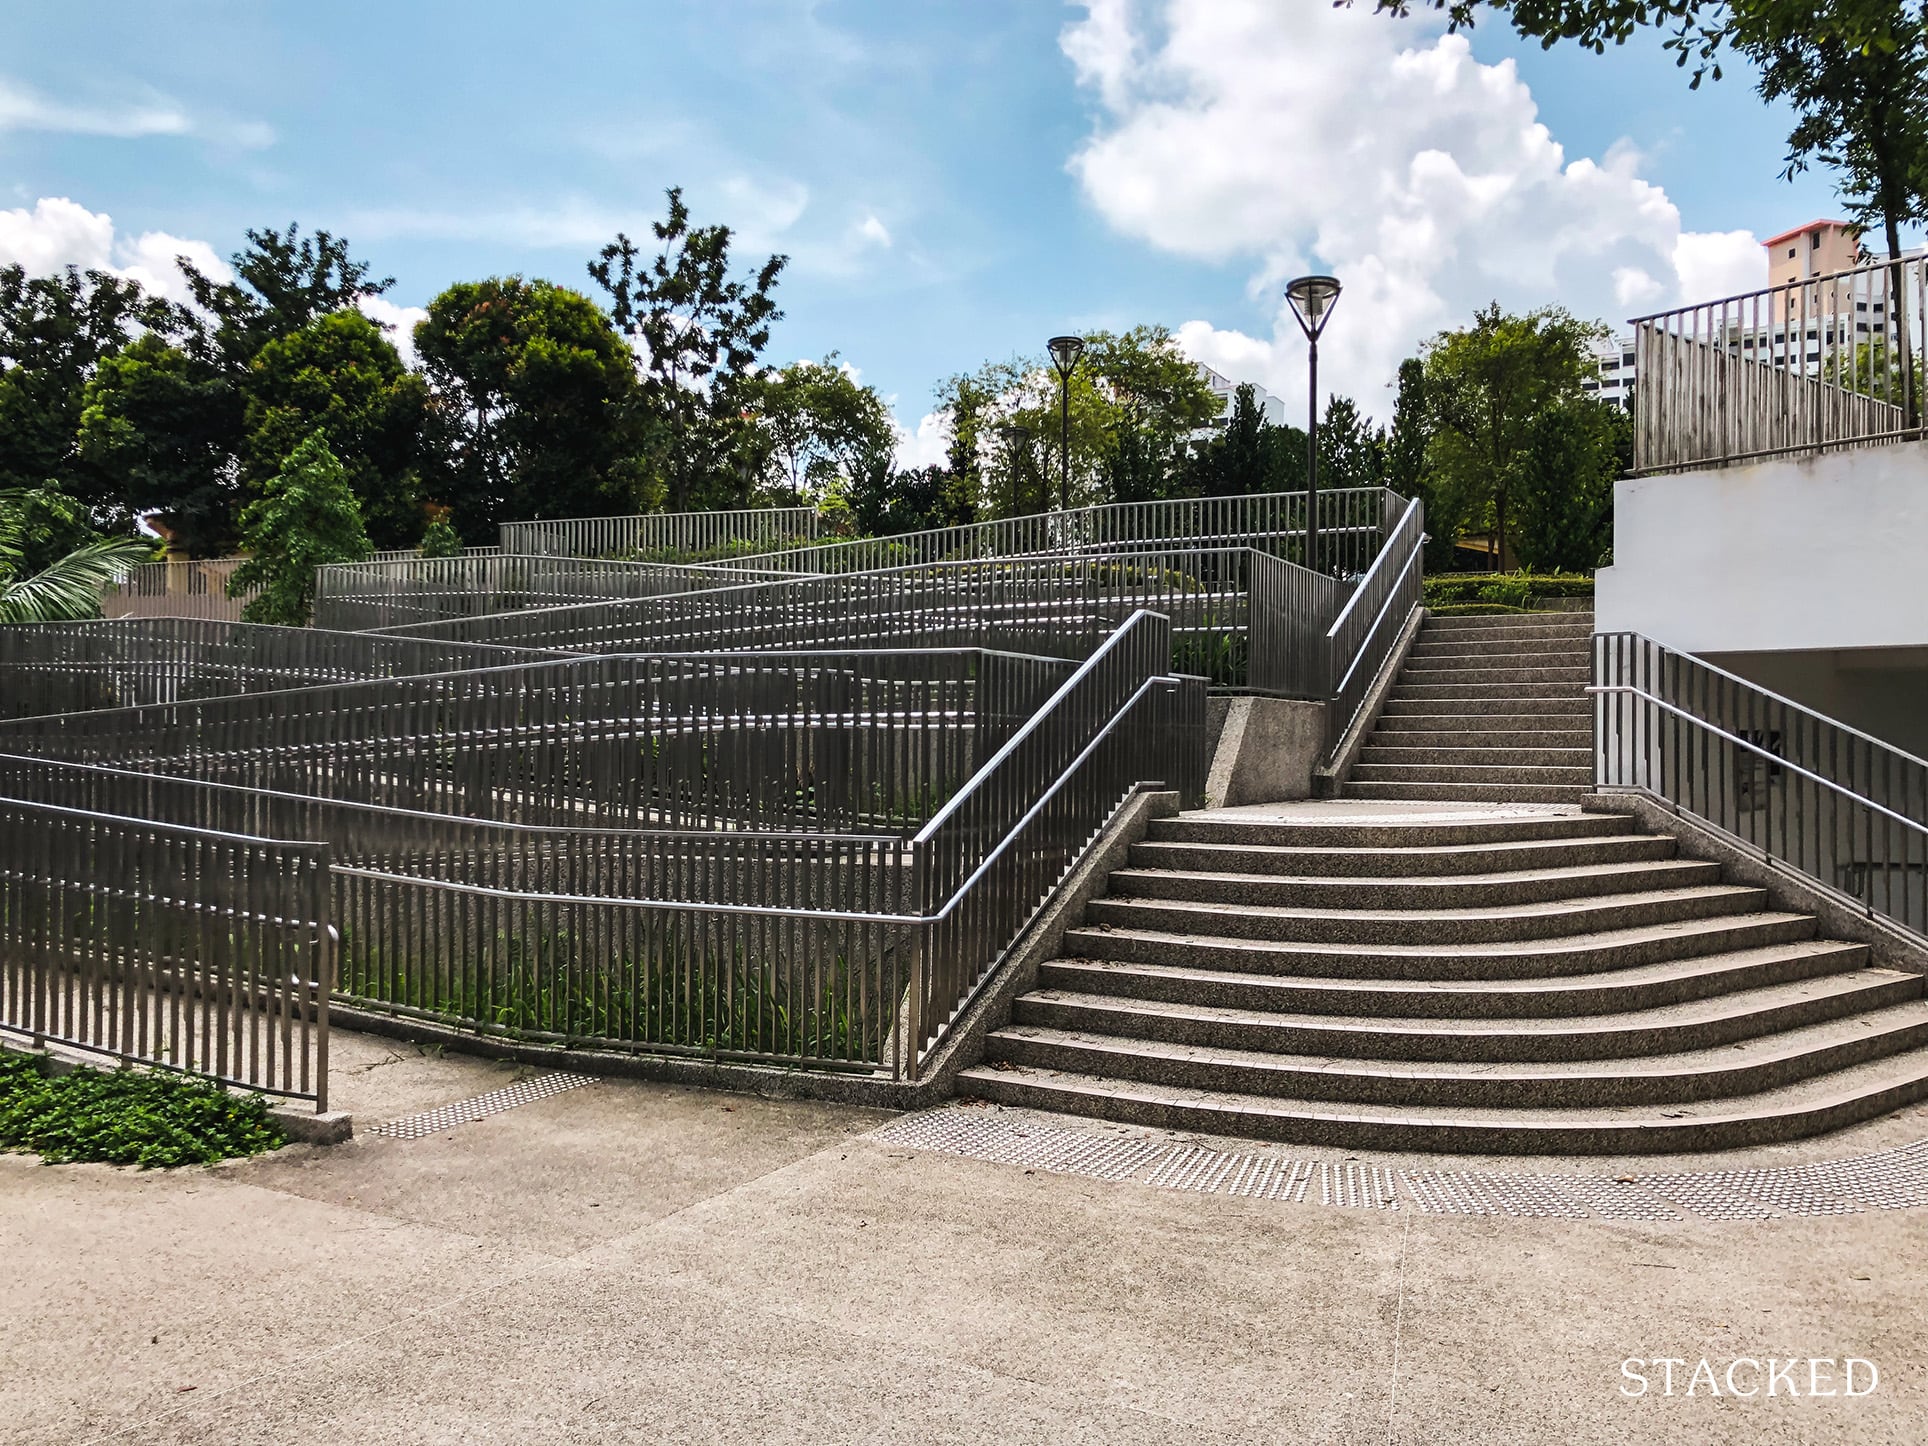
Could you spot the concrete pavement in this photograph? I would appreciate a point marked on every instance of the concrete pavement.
(636, 1262)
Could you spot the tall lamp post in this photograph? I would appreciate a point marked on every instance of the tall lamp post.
(1312, 299)
(1065, 351)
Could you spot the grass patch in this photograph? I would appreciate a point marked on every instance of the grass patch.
(127, 1117)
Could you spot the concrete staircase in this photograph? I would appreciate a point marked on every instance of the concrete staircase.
(1504, 980)
(1488, 708)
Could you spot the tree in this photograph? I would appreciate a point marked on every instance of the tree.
(1136, 401)
(699, 333)
(1484, 385)
(1351, 453)
(306, 516)
(52, 568)
(885, 503)
(824, 429)
(440, 539)
(55, 331)
(340, 375)
(283, 282)
(535, 409)
(158, 428)
(1570, 455)
(1409, 469)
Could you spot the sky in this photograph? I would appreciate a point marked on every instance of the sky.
(953, 180)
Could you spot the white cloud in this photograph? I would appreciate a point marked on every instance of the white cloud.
(151, 114)
(928, 445)
(400, 322)
(59, 232)
(1298, 137)
(874, 232)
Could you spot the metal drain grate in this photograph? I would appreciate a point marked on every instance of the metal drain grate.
(1891, 1180)
(522, 1092)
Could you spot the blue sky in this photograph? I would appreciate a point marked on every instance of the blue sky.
(955, 181)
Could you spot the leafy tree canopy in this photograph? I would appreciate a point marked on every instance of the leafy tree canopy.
(536, 410)
(340, 375)
(283, 281)
(307, 515)
(824, 429)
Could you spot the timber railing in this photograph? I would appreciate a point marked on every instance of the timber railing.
(1809, 794)
(662, 536)
(1826, 362)
(183, 948)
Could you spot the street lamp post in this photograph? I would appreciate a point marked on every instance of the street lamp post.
(1065, 351)
(1312, 299)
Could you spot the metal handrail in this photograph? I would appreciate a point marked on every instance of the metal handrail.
(1776, 759)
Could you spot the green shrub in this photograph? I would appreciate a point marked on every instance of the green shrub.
(1515, 591)
(127, 1117)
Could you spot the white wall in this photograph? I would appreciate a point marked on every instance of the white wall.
(1827, 551)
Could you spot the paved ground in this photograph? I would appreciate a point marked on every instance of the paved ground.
(627, 1262)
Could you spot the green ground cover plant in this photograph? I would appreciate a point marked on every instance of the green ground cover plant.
(127, 1117)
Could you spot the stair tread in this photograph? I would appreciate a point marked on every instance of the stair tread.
(1816, 1096)
(1370, 988)
(1416, 852)
(1785, 1044)
(1564, 943)
(1631, 868)
(1537, 909)
(1733, 1005)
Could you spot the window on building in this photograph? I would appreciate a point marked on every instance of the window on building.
(1792, 253)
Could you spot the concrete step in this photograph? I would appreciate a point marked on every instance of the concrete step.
(1507, 711)
(1578, 773)
(1498, 924)
(1424, 675)
(1640, 986)
(1524, 651)
(1529, 623)
(1455, 891)
(1743, 1066)
(1400, 750)
(1471, 792)
(1405, 691)
(1812, 1106)
(1397, 862)
(1392, 832)
(1623, 1030)
(1452, 733)
(1610, 947)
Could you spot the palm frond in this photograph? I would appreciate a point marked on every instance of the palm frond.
(70, 589)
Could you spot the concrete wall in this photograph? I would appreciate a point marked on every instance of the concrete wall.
(1265, 751)
(1822, 552)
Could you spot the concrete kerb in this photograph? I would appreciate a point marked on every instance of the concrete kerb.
(1888, 944)
(300, 1124)
(1330, 777)
(962, 1048)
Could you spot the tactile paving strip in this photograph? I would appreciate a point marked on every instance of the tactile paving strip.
(522, 1092)
(1891, 1180)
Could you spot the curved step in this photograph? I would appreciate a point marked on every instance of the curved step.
(1476, 774)
(1470, 792)
(1405, 750)
(1746, 1066)
(1456, 891)
(1449, 829)
(1637, 986)
(1828, 1102)
(1407, 862)
(1623, 1031)
(1620, 948)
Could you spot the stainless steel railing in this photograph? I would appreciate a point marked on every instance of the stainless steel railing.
(1813, 795)
(1368, 625)
(661, 536)
(1828, 361)
(184, 948)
